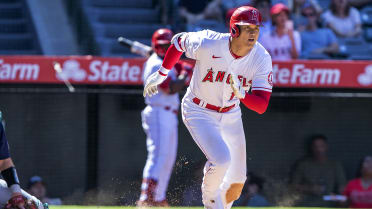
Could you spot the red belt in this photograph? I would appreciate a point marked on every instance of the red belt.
(212, 107)
(169, 108)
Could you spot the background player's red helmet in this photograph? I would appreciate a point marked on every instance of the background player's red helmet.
(244, 15)
(161, 39)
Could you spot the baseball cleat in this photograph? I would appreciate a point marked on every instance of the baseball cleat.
(45, 205)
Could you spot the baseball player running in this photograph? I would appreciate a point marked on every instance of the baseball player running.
(11, 194)
(227, 65)
(160, 123)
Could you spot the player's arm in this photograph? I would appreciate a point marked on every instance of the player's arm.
(9, 172)
(170, 86)
(257, 101)
(262, 85)
(172, 56)
(178, 82)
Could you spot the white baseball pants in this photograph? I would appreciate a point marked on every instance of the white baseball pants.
(161, 128)
(221, 138)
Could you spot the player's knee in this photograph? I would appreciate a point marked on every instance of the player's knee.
(234, 191)
(223, 161)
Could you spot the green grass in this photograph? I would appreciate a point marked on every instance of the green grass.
(124, 207)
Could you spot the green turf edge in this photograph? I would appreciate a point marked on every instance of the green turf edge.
(129, 207)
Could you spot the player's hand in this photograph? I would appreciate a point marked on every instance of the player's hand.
(236, 86)
(152, 82)
(17, 201)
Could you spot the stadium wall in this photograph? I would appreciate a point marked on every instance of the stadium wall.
(48, 135)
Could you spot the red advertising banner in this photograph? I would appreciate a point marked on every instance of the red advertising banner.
(77, 69)
(120, 71)
(323, 74)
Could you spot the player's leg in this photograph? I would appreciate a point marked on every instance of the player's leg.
(169, 149)
(159, 132)
(151, 129)
(233, 134)
(203, 127)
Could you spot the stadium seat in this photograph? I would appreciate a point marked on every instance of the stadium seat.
(356, 47)
(368, 33)
(132, 19)
(123, 3)
(125, 15)
(366, 15)
(17, 34)
(317, 56)
(16, 41)
(10, 11)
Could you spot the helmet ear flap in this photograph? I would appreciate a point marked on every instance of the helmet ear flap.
(235, 31)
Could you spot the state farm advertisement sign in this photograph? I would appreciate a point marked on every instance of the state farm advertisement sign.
(76, 69)
(322, 74)
(119, 71)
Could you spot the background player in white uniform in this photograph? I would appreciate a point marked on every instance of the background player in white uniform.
(227, 65)
(160, 123)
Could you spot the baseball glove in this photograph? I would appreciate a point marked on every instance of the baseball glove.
(20, 200)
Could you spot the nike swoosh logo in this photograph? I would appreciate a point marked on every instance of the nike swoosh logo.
(214, 57)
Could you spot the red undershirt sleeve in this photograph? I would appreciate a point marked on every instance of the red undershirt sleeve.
(171, 57)
(257, 101)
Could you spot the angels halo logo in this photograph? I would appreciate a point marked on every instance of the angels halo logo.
(254, 15)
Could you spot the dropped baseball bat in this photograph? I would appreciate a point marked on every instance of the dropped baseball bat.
(57, 67)
(136, 47)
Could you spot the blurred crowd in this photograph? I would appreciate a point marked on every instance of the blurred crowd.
(300, 29)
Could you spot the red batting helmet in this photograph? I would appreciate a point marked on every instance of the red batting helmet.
(160, 38)
(244, 15)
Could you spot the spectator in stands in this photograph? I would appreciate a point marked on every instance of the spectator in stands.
(283, 43)
(252, 193)
(298, 19)
(202, 14)
(316, 175)
(343, 19)
(359, 190)
(264, 7)
(316, 40)
(37, 188)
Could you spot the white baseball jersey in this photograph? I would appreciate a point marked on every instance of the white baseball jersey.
(280, 47)
(161, 99)
(214, 63)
